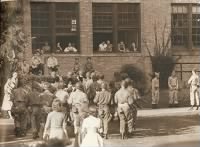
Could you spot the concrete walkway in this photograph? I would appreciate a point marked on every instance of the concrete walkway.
(184, 111)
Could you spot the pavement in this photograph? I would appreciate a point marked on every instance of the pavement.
(155, 127)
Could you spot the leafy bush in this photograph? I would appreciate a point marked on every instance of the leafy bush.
(137, 75)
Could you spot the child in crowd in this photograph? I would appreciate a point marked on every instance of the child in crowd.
(55, 127)
(90, 128)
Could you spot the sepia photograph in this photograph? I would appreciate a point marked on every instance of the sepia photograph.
(99, 73)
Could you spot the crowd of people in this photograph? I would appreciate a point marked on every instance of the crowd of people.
(108, 47)
(83, 100)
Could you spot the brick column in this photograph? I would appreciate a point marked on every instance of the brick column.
(86, 31)
(27, 29)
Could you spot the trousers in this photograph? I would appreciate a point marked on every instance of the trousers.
(105, 117)
(155, 96)
(126, 118)
(35, 119)
(194, 95)
(173, 96)
(19, 112)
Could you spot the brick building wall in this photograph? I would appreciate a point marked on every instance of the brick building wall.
(152, 12)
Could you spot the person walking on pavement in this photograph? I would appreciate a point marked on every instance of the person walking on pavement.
(90, 127)
(173, 90)
(79, 101)
(8, 89)
(103, 100)
(155, 91)
(19, 110)
(194, 93)
(46, 100)
(123, 99)
(35, 104)
(55, 127)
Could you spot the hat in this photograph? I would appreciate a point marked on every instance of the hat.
(157, 73)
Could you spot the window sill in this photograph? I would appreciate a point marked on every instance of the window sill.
(118, 54)
(97, 54)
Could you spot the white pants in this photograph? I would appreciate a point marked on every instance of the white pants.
(194, 95)
(155, 96)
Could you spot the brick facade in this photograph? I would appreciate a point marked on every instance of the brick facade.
(152, 12)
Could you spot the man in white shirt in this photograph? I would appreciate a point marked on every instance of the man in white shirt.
(194, 93)
(102, 47)
(79, 101)
(52, 63)
(70, 48)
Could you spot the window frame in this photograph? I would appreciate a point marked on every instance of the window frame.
(116, 27)
(190, 27)
(53, 26)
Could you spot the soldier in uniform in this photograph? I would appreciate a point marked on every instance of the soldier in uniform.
(123, 100)
(103, 100)
(19, 110)
(194, 85)
(173, 90)
(46, 100)
(88, 65)
(155, 91)
(79, 102)
(77, 66)
(35, 103)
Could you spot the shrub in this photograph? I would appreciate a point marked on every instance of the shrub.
(137, 75)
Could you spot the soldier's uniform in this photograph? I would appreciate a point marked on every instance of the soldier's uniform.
(35, 103)
(122, 99)
(155, 92)
(194, 93)
(46, 101)
(19, 111)
(173, 90)
(103, 100)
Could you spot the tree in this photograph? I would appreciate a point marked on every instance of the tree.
(161, 60)
(13, 40)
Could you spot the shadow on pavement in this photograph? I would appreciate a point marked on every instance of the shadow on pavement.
(161, 126)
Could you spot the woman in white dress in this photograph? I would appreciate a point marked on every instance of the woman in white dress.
(90, 128)
(55, 127)
(8, 87)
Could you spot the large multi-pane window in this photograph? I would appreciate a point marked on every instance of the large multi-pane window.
(116, 27)
(186, 25)
(55, 27)
(196, 25)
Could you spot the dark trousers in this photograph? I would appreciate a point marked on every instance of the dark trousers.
(35, 119)
(19, 112)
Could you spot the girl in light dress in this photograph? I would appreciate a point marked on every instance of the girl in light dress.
(8, 87)
(55, 127)
(90, 128)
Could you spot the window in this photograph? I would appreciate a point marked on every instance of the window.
(115, 26)
(186, 25)
(40, 25)
(55, 27)
(196, 25)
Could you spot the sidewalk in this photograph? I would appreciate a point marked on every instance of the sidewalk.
(184, 111)
(145, 113)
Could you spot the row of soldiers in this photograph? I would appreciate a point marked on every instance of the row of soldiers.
(32, 102)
